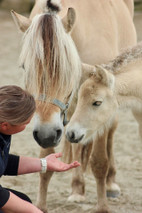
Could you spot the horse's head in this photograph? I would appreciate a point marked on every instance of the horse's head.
(52, 69)
(95, 108)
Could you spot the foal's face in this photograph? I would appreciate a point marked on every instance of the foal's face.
(96, 106)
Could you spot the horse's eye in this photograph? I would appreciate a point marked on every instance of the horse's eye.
(97, 103)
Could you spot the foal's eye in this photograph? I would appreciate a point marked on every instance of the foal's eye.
(97, 103)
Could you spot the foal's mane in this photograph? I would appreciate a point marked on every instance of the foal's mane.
(125, 58)
(50, 57)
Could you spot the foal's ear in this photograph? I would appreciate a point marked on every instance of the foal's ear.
(69, 20)
(21, 21)
(105, 76)
(87, 71)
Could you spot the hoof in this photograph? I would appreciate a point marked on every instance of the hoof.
(113, 191)
(76, 198)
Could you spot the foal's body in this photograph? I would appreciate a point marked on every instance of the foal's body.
(110, 87)
(101, 31)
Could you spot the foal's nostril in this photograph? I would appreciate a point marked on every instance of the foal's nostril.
(59, 133)
(71, 136)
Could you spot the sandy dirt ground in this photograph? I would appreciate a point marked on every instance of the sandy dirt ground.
(127, 147)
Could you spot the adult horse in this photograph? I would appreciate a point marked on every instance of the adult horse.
(53, 70)
(113, 86)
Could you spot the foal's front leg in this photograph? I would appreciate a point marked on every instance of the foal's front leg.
(100, 165)
(78, 184)
(81, 153)
(113, 189)
(44, 181)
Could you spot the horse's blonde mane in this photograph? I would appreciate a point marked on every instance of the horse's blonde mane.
(50, 58)
(124, 59)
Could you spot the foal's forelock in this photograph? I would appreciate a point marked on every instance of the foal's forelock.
(50, 58)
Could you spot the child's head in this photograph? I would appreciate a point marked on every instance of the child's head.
(16, 105)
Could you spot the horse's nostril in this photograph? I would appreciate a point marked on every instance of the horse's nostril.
(59, 133)
(35, 133)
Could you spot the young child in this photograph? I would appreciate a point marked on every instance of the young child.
(16, 111)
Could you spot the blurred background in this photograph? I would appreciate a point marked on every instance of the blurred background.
(26, 5)
(128, 155)
(138, 5)
(22, 6)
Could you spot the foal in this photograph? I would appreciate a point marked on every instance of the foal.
(109, 87)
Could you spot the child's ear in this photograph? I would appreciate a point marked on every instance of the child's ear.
(4, 126)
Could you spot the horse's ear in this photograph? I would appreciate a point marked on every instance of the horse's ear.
(105, 76)
(69, 20)
(21, 21)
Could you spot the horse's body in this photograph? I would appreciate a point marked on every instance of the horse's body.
(109, 88)
(97, 17)
(101, 31)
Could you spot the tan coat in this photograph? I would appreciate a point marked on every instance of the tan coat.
(101, 31)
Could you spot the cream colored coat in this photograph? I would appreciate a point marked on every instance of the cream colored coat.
(101, 31)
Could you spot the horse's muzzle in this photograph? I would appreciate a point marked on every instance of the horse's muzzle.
(50, 141)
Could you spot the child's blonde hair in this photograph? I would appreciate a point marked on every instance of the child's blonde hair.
(16, 105)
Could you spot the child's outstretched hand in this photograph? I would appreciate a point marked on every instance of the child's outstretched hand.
(53, 164)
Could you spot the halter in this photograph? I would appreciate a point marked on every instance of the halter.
(63, 107)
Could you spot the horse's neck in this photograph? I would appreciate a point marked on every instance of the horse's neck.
(128, 84)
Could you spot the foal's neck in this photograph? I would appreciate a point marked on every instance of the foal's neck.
(128, 84)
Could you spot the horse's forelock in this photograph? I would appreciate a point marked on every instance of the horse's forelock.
(59, 51)
(50, 56)
(47, 37)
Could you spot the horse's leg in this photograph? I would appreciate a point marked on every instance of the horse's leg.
(138, 117)
(43, 184)
(78, 183)
(113, 189)
(100, 165)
